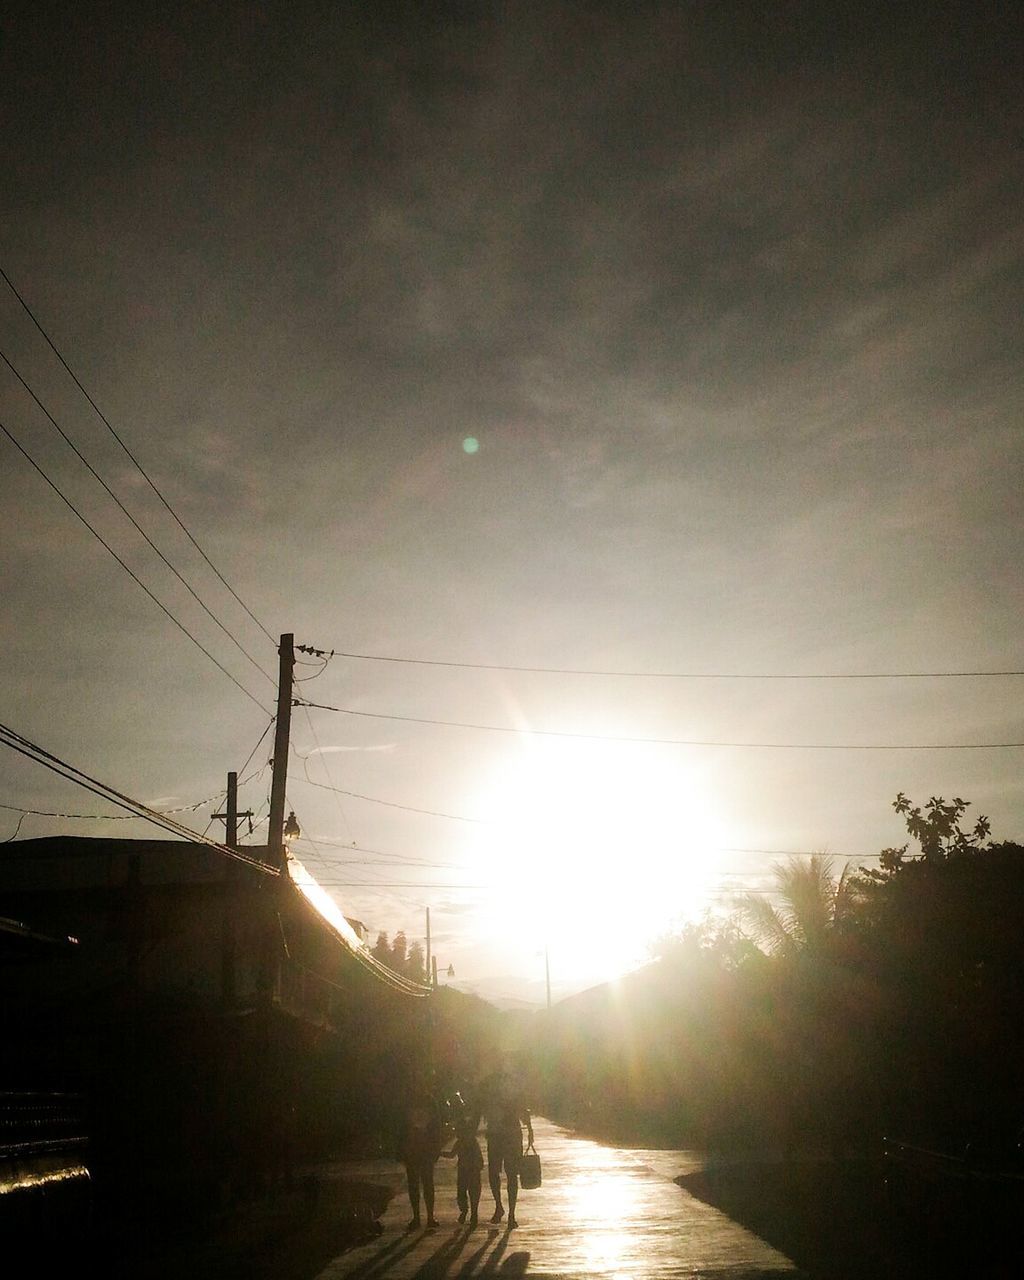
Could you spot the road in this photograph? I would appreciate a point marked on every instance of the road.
(602, 1212)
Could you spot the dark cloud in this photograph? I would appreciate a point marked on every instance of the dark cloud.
(728, 294)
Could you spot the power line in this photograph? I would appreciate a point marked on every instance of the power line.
(389, 858)
(14, 834)
(679, 675)
(255, 749)
(135, 578)
(390, 804)
(113, 817)
(672, 742)
(326, 768)
(18, 742)
(138, 527)
(305, 883)
(138, 465)
(461, 817)
(377, 884)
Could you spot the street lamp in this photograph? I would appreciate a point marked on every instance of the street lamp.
(292, 830)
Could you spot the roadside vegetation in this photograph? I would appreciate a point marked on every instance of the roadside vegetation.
(850, 1005)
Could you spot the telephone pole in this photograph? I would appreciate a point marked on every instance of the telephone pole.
(231, 815)
(547, 974)
(428, 949)
(275, 834)
(229, 942)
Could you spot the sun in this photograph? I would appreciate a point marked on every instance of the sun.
(594, 849)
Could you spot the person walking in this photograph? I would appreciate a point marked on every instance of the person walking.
(506, 1113)
(470, 1165)
(419, 1146)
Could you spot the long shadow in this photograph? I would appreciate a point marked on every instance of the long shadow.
(825, 1218)
(468, 1267)
(381, 1262)
(440, 1262)
(837, 1221)
(287, 1241)
(516, 1264)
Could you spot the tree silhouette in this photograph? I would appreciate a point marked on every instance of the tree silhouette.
(415, 968)
(813, 904)
(938, 832)
(399, 952)
(382, 948)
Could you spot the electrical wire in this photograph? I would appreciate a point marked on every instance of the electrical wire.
(115, 817)
(135, 578)
(675, 742)
(327, 772)
(391, 859)
(254, 750)
(388, 858)
(392, 804)
(378, 884)
(683, 675)
(18, 742)
(138, 465)
(21, 819)
(138, 527)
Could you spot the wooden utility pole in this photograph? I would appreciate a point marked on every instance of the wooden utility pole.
(547, 975)
(428, 948)
(231, 815)
(228, 941)
(275, 834)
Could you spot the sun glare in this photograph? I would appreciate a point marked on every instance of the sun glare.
(597, 848)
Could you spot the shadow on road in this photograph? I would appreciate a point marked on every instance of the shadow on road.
(836, 1221)
(286, 1236)
(450, 1260)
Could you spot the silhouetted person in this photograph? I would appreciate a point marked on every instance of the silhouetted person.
(419, 1147)
(470, 1166)
(506, 1113)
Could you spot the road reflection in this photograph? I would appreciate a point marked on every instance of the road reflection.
(604, 1212)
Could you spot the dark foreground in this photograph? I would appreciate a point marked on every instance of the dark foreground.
(602, 1211)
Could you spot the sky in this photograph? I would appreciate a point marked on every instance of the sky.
(660, 338)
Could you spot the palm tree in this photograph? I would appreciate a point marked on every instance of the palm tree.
(813, 903)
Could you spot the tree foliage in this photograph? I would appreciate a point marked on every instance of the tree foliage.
(812, 905)
(399, 956)
(881, 1001)
(415, 968)
(937, 829)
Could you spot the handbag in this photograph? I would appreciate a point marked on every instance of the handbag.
(529, 1169)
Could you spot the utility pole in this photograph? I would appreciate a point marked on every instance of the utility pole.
(275, 834)
(433, 972)
(428, 949)
(231, 815)
(547, 974)
(228, 939)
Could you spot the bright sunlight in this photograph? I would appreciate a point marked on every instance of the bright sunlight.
(597, 848)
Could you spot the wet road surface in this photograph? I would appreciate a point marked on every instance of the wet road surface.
(602, 1212)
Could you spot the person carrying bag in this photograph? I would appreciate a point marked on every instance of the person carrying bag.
(529, 1169)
